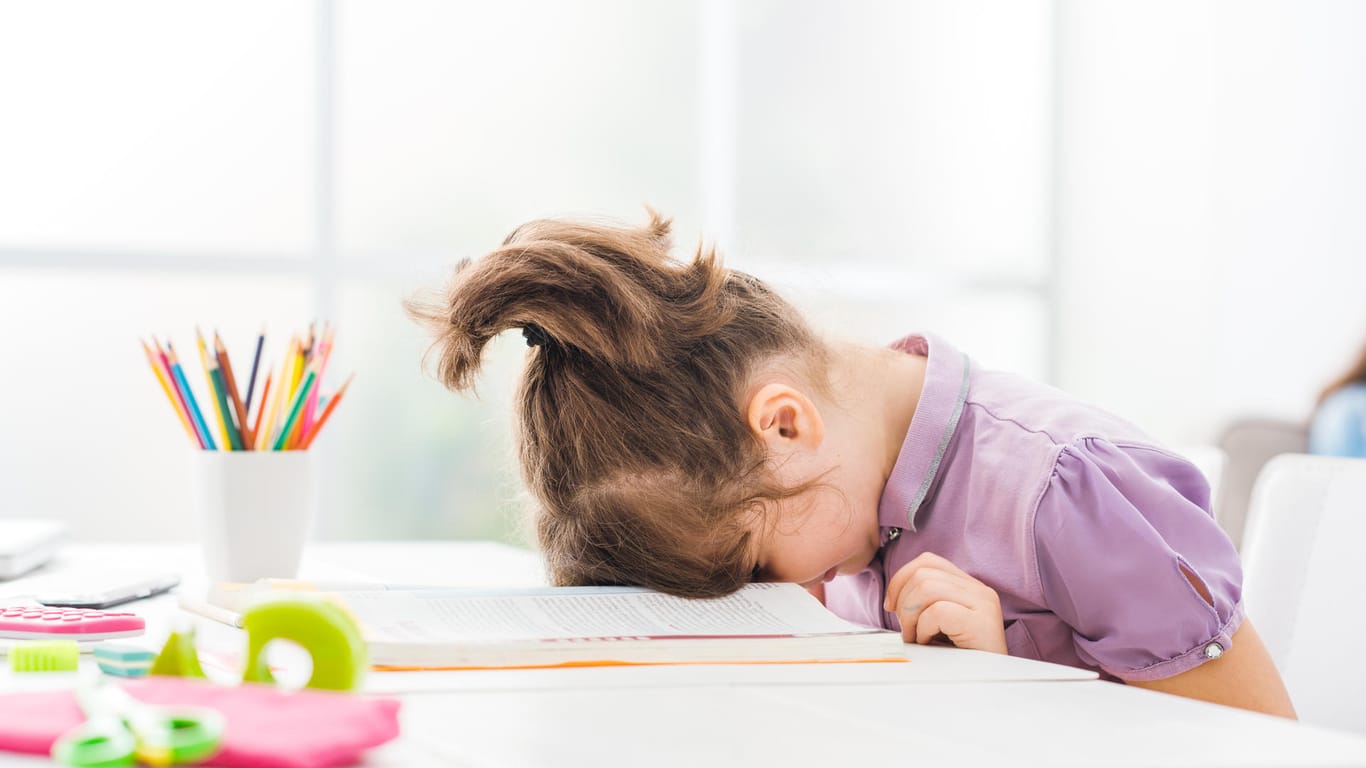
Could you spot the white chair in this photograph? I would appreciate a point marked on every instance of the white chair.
(1248, 444)
(1304, 582)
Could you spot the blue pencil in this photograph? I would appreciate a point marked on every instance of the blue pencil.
(189, 398)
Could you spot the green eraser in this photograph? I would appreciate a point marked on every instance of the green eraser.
(45, 656)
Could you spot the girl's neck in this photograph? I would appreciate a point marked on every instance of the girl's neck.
(879, 388)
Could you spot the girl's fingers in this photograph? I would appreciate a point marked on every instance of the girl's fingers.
(931, 596)
(942, 563)
(951, 619)
(923, 575)
(928, 591)
(905, 573)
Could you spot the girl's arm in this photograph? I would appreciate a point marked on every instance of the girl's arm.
(1243, 677)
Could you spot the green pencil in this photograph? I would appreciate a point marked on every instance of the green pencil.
(295, 410)
(220, 389)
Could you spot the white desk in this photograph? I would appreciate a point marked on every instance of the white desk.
(970, 708)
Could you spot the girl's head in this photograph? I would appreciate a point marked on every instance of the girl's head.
(641, 434)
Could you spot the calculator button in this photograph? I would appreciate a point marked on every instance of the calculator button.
(27, 622)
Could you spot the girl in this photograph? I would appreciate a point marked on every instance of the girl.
(1338, 427)
(683, 429)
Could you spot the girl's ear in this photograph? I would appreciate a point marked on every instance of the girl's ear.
(784, 418)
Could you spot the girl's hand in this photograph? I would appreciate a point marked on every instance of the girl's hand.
(931, 595)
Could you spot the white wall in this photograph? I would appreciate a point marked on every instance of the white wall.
(890, 164)
(1212, 184)
(165, 165)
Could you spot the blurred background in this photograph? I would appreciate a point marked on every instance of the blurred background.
(1156, 206)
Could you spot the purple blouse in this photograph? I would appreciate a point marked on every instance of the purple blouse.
(1084, 526)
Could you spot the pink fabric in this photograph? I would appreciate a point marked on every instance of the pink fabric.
(266, 727)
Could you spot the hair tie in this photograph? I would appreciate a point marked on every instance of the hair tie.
(535, 335)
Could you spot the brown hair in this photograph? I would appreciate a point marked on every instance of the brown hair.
(1355, 374)
(632, 436)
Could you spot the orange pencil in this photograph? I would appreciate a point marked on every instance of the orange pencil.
(331, 406)
(226, 364)
(261, 409)
(297, 432)
(181, 389)
(168, 387)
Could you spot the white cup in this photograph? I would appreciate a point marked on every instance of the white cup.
(255, 510)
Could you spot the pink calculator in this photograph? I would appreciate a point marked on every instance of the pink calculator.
(38, 622)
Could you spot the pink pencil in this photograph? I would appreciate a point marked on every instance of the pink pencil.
(180, 396)
(325, 352)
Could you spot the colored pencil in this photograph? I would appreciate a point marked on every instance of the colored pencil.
(166, 386)
(255, 365)
(327, 411)
(267, 435)
(324, 353)
(295, 408)
(189, 397)
(296, 371)
(220, 393)
(180, 395)
(223, 417)
(295, 432)
(225, 367)
(260, 411)
(291, 408)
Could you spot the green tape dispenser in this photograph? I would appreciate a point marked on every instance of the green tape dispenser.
(322, 628)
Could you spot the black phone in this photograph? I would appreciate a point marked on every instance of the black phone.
(110, 596)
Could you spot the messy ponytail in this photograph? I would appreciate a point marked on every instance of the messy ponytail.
(632, 435)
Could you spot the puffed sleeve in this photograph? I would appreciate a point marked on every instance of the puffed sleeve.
(1131, 559)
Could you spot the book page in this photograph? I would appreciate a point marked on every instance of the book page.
(757, 610)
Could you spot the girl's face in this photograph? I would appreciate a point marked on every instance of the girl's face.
(848, 447)
(832, 528)
(811, 539)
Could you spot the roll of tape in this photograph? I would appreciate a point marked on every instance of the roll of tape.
(322, 628)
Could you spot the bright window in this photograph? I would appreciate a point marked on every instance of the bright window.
(228, 166)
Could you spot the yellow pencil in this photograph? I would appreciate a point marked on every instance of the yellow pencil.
(204, 359)
(160, 372)
(263, 438)
(296, 371)
(269, 407)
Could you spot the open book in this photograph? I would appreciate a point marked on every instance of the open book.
(579, 626)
